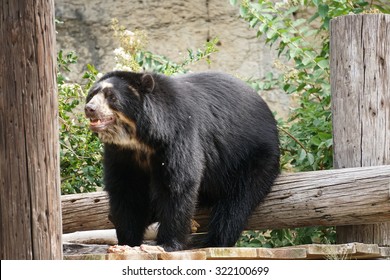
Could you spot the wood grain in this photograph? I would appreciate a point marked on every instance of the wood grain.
(360, 84)
(350, 251)
(332, 197)
(30, 215)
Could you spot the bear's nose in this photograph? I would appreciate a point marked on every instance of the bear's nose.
(90, 109)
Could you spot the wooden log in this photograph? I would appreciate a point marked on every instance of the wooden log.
(104, 236)
(99, 236)
(86, 211)
(360, 85)
(30, 214)
(332, 197)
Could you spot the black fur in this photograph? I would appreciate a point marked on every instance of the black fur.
(208, 139)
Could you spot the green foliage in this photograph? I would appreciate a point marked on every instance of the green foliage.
(303, 48)
(132, 55)
(286, 237)
(299, 31)
(161, 64)
(80, 150)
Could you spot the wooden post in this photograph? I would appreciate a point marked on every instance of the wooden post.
(360, 83)
(30, 209)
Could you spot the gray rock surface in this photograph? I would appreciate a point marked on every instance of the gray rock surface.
(172, 27)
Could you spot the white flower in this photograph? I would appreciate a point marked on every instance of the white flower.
(128, 33)
(119, 51)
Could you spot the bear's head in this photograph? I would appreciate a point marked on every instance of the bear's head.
(113, 105)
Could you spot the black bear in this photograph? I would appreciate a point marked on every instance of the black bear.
(172, 144)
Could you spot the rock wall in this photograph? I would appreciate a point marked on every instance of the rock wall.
(172, 27)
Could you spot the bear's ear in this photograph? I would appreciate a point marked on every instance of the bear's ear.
(147, 83)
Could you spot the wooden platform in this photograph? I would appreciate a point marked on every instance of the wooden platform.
(312, 252)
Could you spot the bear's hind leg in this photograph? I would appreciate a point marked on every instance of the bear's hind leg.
(230, 214)
(228, 219)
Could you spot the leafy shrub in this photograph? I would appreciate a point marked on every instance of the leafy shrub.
(80, 150)
(132, 55)
(286, 237)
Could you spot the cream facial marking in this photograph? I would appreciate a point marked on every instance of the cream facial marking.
(136, 93)
(99, 113)
(105, 84)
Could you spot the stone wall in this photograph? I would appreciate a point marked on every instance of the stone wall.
(172, 27)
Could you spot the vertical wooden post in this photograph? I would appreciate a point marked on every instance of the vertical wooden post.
(360, 83)
(30, 209)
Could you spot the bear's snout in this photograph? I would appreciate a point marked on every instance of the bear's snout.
(90, 109)
(99, 113)
(97, 107)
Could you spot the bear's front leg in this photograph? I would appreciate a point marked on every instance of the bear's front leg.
(129, 197)
(129, 218)
(174, 187)
(175, 212)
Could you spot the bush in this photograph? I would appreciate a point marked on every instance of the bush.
(80, 150)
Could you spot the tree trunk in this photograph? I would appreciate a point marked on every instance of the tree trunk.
(30, 217)
(360, 69)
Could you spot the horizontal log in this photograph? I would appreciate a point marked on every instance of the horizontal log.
(87, 211)
(350, 196)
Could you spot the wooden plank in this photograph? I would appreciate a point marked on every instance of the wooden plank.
(384, 252)
(129, 256)
(254, 253)
(341, 251)
(183, 255)
(71, 249)
(326, 251)
(74, 251)
(332, 197)
(286, 253)
(230, 253)
(310, 251)
(329, 251)
(366, 251)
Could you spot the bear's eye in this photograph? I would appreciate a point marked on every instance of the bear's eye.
(111, 97)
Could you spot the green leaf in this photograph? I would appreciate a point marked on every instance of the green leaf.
(302, 155)
(243, 11)
(316, 15)
(326, 23)
(316, 140)
(253, 22)
(323, 10)
(271, 33)
(310, 158)
(298, 22)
